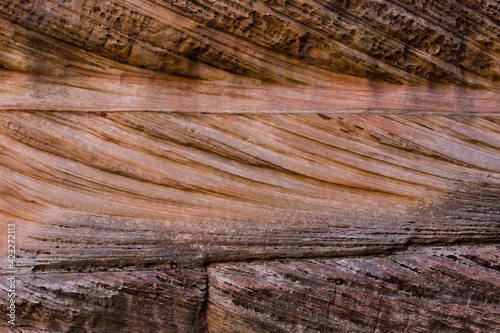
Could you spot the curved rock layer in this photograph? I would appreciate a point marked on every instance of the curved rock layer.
(222, 132)
(250, 56)
(95, 191)
(403, 41)
(451, 289)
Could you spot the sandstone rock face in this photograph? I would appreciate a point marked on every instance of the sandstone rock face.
(190, 189)
(432, 290)
(165, 300)
(403, 41)
(251, 166)
(250, 56)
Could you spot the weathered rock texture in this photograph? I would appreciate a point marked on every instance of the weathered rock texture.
(401, 41)
(250, 56)
(130, 301)
(125, 192)
(303, 131)
(192, 189)
(454, 289)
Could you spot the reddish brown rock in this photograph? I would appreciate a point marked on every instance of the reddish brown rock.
(250, 56)
(166, 300)
(402, 41)
(453, 289)
(91, 191)
(225, 131)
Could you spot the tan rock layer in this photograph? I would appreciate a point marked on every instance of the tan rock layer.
(452, 289)
(125, 91)
(104, 192)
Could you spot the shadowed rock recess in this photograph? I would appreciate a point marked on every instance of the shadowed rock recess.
(251, 166)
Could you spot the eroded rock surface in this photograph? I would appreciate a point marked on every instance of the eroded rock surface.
(259, 56)
(167, 300)
(453, 289)
(400, 41)
(142, 141)
(190, 189)
(99, 199)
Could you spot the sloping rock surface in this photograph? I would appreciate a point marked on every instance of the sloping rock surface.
(251, 166)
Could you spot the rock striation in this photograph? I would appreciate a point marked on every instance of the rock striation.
(251, 165)
(191, 189)
(250, 56)
(453, 289)
(129, 301)
(108, 196)
(403, 41)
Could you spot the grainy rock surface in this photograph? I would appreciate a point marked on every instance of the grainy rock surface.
(145, 144)
(453, 289)
(113, 196)
(250, 56)
(166, 300)
(92, 192)
(404, 41)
